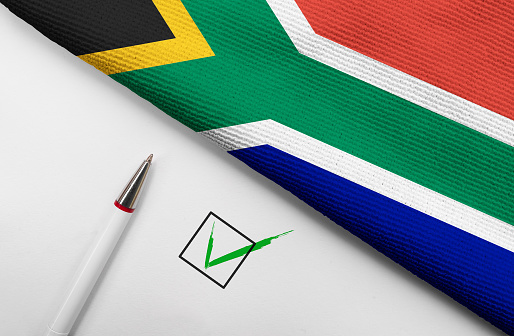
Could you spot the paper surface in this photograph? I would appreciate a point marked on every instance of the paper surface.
(71, 137)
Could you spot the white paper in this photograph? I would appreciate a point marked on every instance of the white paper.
(70, 137)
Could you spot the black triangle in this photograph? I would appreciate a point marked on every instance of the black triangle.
(87, 26)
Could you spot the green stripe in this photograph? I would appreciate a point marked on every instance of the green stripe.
(258, 74)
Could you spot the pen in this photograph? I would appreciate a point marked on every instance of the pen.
(96, 258)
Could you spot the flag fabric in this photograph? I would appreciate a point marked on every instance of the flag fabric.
(392, 118)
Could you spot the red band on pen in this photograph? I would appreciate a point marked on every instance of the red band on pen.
(123, 208)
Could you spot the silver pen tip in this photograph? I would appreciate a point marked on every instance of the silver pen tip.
(150, 158)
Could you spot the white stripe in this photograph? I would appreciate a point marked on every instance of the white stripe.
(387, 78)
(367, 175)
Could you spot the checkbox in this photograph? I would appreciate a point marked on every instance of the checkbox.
(217, 250)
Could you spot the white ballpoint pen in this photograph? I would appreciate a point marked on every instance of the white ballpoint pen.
(94, 261)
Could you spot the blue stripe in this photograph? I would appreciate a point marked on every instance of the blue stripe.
(475, 272)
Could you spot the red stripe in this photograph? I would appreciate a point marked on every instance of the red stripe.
(121, 207)
(465, 47)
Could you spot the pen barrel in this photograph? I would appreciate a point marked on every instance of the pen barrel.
(87, 274)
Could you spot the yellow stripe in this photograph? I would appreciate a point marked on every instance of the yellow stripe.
(188, 44)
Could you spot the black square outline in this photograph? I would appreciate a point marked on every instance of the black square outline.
(240, 263)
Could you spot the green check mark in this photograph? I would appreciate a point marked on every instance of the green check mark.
(237, 253)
